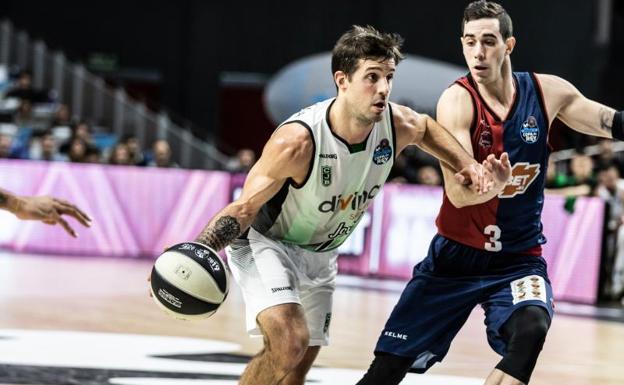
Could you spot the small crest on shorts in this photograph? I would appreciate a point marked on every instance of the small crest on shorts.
(530, 131)
(326, 175)
(383, 152)
(530, 288)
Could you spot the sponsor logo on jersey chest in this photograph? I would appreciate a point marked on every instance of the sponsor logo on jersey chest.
(353, 201)
(383, 152)
(530, 131)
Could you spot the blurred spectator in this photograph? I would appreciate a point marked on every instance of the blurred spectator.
(45, 147)
(62, 117)
(77, 150)
(610, 189)
(135, 152)
(405, 167)
(120, 155)
(554, 177)
(6, 146)
(581, 180)
(92, 155)
(606, 157)
(161, 154)
(24, 115)
(582, 168)
(428, 175)
(23, 89)
(80, 130)
(242, 162)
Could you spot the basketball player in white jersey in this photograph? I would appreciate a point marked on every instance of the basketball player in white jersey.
(316, 177)
(46, 209)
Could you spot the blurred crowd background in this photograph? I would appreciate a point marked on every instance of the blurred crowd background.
(205, 79)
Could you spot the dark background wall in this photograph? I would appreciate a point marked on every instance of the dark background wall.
(189, 43)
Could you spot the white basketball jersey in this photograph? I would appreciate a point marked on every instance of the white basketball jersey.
(341, 183)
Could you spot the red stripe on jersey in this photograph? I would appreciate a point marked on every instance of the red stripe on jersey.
(466, 225)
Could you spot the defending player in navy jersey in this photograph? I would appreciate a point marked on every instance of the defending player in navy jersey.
(489, 254)
(318, 173)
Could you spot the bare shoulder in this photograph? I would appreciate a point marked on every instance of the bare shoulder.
(409, 125)
(291, 141)
(558, 93)
(556, 87)
(405, 118)
(455, 94)
(287, 154)
(455, 108)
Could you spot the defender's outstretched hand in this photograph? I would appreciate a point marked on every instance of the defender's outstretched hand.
(49, 210)
(500, 169)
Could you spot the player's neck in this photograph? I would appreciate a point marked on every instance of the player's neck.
(346, 125)
(502, 90)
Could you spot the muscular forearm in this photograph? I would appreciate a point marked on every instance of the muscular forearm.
(226, 226)
(440, 143)
(9, 201)
(461, 196)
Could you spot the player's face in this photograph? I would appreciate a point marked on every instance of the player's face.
(485, 50)
(368, 90)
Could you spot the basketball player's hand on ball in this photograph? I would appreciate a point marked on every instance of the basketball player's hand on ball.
(499, 168)
(476, 177)
(50, 210)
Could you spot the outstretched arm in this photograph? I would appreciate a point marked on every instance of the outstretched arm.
(286, 155)
(421, 130)
(46, 209)
(455, 112)
(564, 101)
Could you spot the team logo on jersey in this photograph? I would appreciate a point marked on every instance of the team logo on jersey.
(530, 131)
(383, 152)
(522, 175)
(485, 139)
(326, 175)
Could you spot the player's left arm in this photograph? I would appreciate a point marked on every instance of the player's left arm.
(566, 102)
(49, 210)
(421, 130)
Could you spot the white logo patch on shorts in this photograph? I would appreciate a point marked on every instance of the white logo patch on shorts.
(530, 288)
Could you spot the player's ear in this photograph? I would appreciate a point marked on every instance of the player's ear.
(510, 43)
(340, 78)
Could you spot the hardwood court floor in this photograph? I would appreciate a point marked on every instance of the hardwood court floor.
(110, 295)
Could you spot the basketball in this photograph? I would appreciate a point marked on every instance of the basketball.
(189, 281)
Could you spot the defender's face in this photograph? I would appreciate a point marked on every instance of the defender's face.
(368, 89)
(484, 49)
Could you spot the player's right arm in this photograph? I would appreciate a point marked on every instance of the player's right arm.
(286, 155)
(455, 112)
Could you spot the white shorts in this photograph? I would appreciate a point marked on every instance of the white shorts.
(272, 273)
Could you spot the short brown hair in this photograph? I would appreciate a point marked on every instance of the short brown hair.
(364, 43)
(483, 9)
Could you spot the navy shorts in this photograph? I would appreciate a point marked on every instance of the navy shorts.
(444, 289)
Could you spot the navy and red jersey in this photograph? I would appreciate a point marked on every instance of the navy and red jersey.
(510, 222)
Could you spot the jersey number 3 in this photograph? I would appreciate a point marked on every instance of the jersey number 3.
(494, 232)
